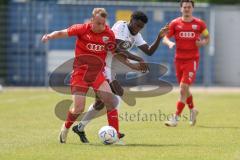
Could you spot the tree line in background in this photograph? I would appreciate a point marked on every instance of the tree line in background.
(3, 2)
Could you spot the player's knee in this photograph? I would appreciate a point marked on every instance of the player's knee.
(77, 109)
(99, 105)
(112, 102)
(183, 90)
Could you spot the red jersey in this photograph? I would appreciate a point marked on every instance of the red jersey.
(90, 43)
(186, 34)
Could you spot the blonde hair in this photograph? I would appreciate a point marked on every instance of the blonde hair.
(99, 11)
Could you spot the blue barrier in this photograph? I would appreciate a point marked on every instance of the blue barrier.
(27, 22)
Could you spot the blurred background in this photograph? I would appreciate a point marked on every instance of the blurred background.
(25, 61)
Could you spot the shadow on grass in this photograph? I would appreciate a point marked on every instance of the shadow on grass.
(135, 145)
(219, 127)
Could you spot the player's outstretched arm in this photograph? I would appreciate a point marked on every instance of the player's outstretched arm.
(55, 35)
(135, 66)
(121, 48)
(149, 50)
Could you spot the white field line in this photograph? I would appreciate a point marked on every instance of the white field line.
(175, 89)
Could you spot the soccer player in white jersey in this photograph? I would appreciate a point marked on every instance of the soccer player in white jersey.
(127, 35)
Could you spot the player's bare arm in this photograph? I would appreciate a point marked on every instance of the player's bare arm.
(125, 52)
(55, 35)
(149, 50)
(135, 66)
(131, 56)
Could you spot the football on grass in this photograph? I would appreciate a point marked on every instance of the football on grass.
(108, 135)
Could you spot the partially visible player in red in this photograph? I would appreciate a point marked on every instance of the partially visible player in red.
(190, 34)
(94, 40)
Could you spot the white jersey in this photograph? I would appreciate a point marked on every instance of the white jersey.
(121, 32)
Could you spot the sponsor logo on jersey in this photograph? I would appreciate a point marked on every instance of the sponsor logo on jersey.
(126, 45)
(95, 47)
(110, 46)
(187, 34)
(105, 39)
(194, 27)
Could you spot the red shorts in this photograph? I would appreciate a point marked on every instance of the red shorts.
(186, 70)
(80, 83)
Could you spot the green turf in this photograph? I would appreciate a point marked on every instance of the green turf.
(29, 129)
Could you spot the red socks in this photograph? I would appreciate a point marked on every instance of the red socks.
(112, 116)
(180, 106)
(190, 102)
(71, 118)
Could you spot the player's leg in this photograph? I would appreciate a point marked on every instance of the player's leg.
(189, 76)
(184, 87)
(172, 122)
(179, 106)
(79, 89)
(191, 68)
(72, 115)
(192, 109)
(93, 110)
(91, 113)
(111, 103)
(189, 100)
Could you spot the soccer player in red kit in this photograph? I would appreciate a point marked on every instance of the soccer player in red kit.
(127, 35)
(190, 34)
(94, 40)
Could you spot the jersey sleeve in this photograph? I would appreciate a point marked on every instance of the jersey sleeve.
(75, 30)
(171, 29)
(119, 30)
(112, 37)
(203, 26)
(112, 43)
(203, 29)
(139, 40)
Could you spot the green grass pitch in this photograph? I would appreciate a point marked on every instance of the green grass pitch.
(29, 129)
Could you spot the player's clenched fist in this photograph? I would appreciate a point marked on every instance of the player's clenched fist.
(201, 42)
(144, 67)
(55, 35)
(164, 31)
(171, 45)
(45, 38)
(139, 67)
